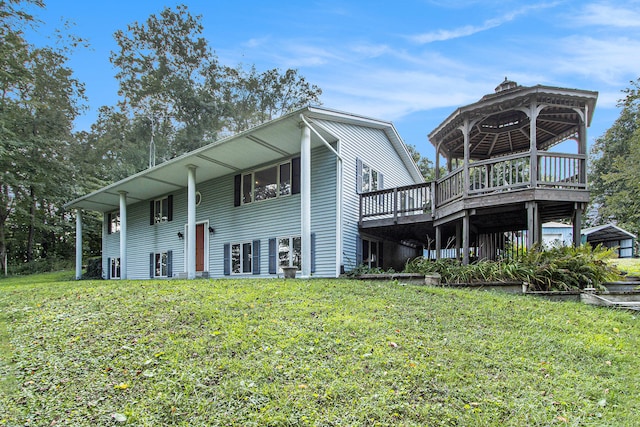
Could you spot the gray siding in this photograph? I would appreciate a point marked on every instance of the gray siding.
(373, 147)
(256, 221)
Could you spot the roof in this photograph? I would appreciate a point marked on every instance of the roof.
(553, 224)
(503, 126)
(606, 232)
(260, 145)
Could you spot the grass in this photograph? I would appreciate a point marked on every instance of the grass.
(631, 266)
(317, 352)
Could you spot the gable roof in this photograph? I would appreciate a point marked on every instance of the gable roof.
(606, 232)
(262, 144)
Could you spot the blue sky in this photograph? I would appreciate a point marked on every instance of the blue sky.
(411, 61)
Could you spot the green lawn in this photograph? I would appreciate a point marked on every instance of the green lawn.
(318, 352)
(631, 266)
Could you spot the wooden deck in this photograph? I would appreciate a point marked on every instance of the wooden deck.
(497, 198)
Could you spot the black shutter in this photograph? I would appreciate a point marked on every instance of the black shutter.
(152, 264)
(237, 190)
(358, 250)
(313, 252)
(169, 263)
(108, 268)
(358, 176)
(170, 207)
(152, 219)
(256, 257)
(109, 223)
(295, 175)
(227, 259)
(273, 256)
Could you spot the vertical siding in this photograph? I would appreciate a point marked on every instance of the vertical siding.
(376, 150)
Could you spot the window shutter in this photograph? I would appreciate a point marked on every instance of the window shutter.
(169, 263)
(152, 264)
(170, 209)
(313, 252)
(358, 176)
(273, 257)
(237, 190)
(108, 223)
(358, 250)
(108, 268)
(256, 257)
(152, 219)
(295, 175)
(227, 259)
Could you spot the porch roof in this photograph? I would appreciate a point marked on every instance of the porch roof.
(503, 126)
(260, 145)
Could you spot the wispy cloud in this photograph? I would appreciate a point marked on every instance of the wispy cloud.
(468, 30)
(607, 15)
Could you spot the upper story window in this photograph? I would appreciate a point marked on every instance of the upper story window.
(368, 178)
(113, 222)
(268, 183)
(161, 210)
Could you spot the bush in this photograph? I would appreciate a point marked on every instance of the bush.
(557, 269)
(94, 268)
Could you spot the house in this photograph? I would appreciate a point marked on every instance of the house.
(285, 193)
(556, 234)
(611, 236)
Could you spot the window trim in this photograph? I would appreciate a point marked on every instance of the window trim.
(291, 247)
(156, 259)
(115, 266)
(364, 170)
(241, 258)
(164, 216)
(278, 192)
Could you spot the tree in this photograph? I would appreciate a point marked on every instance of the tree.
(425, 165)
(614, 174)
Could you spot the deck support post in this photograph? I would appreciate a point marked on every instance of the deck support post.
(191, 222)
(78, 246)
(577, 225)
(123, 235)
(438, 241)
(458, 240)
(465, 238)
(305, 199)
(533, 221)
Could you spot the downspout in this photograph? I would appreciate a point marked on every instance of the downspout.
(338, 193)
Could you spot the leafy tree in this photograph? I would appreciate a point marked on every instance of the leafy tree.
(614, 173)
(425, 165)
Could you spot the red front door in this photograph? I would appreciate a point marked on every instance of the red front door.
(199, 247)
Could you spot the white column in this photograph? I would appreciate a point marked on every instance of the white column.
(123, 235)
(78, 245)
(191, 223)
(305, 199)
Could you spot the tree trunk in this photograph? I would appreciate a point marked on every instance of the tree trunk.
(32, 225)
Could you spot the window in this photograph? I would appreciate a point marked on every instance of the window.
(290, 252)
(268, 183)
(241, 256)
(368, 178)
(114, 268)
(371, 253)
(161, 210)
(113, 222)
(161, 264)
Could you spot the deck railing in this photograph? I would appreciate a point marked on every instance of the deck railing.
(497, 175)
(394, 202)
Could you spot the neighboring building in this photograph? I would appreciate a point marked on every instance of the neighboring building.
(285, 193)
(557, 234)
(611, 236)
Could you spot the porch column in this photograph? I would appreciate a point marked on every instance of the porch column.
(123, 235)
(305, 199)
(465, 238)
(78, 245)
(577, 225)
(191, 222)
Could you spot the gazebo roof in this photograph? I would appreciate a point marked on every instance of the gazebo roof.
(501, 125)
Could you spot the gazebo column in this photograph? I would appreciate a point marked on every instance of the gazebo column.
(78, 245)
(305, 199)
(123, 235)
(191, 222)
(533, 112)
